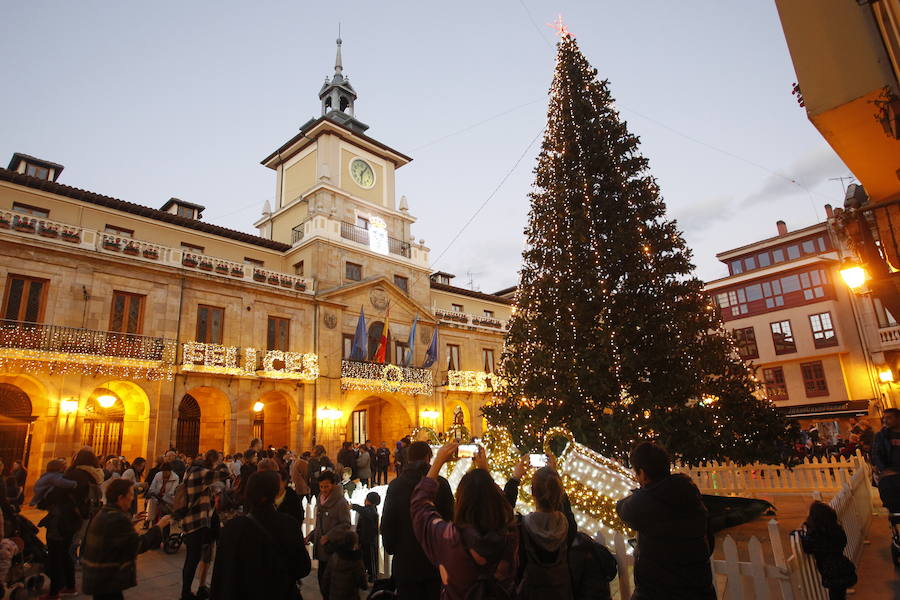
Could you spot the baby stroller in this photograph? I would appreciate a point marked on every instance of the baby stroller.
(25, 577)
(172, 542)
(894, 520)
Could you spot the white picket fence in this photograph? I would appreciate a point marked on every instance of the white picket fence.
(822, 475)
(750, 576)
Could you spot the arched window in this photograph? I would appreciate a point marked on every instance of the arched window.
(15, 425)
(187, 432)
(102, 428)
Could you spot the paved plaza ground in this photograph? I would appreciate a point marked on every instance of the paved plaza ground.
(159, 574)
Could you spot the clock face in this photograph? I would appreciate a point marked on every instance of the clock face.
(362, 173)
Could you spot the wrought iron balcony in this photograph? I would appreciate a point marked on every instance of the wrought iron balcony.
(73, 344)
(360, 235)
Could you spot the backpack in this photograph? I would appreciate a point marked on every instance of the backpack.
(486, 586)
(544, 579)
(179, 502)
(592, 567)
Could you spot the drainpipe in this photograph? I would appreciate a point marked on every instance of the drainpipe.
(177, 344)
(315, 409)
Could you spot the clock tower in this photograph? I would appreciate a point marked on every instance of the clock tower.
(335, 198)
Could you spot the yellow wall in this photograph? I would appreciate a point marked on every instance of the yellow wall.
(282, 227)
(299, 177)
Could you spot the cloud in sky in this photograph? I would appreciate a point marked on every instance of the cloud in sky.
(806, 173)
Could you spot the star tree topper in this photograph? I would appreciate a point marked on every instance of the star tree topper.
(560, 27)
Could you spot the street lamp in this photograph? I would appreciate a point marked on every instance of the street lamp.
(854, 274)
(69, 405)
(886, 375)
(106, 400)
(258, 407)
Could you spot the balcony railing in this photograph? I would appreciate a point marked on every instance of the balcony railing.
(379, 377)
(890, 337)
(297, 233)
(72, 341)
(146, 252)
(360, 235)
(470, 320)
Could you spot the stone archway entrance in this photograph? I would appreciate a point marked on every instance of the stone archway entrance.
(379, 420)
(103, 426)
(272, 424)
(187, 430)
(15, 425)
(204, 417)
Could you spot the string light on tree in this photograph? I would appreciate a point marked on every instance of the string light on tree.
(613, 336)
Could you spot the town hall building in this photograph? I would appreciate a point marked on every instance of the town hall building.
(134, 329)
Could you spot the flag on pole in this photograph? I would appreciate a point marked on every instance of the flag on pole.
(432, 354)
(360, 348)
(381, 353)
(411, 350)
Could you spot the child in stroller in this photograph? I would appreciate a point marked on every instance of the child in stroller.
(22, 557)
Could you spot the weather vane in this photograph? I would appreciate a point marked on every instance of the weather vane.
(560, 27)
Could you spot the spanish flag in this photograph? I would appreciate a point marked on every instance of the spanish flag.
(381, 353)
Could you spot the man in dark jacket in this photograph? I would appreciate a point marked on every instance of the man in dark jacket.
(673, 542)
(347, 458)
(416, 577)
(111, 545)
(886, 458)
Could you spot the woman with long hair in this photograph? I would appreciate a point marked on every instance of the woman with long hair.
(476, 552)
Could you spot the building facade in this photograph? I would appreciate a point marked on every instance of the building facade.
(133, 329)
(813, 341)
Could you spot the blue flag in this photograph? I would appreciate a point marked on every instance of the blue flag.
(412, 343)
(432, 354)
(360, 348)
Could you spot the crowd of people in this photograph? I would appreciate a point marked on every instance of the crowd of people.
(813, 444)
(239, 518)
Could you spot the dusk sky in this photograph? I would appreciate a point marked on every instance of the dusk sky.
(152, 100)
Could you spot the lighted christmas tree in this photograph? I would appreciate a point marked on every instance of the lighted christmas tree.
(613, 336)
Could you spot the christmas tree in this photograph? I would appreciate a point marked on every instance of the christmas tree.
(612, 336)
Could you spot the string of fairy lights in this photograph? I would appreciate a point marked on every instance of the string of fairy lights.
(612, 334)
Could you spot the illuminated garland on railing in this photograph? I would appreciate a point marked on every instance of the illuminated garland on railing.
(199, 357)
(52, 363)
(478, 382)
(43, 348)
(385, 378)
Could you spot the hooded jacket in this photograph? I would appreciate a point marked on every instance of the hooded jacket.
(410, 562)
(346, 574)
(673, 549)
(453, 549)
(544, 540)
(331, 513)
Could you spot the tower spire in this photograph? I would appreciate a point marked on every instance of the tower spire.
(338, 66)
(338, 96)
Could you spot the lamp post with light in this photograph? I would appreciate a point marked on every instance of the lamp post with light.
(329, 418)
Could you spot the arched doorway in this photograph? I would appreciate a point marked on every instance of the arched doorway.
(15, 425)
(378, 420)
(187, 431)
(103, 425)
(213, 411)
(375, 330)
(272, 424)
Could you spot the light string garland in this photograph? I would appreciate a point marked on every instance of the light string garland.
(612, 334)
(199, 357)
(478, 382)
(39, 348)
(391, 378)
